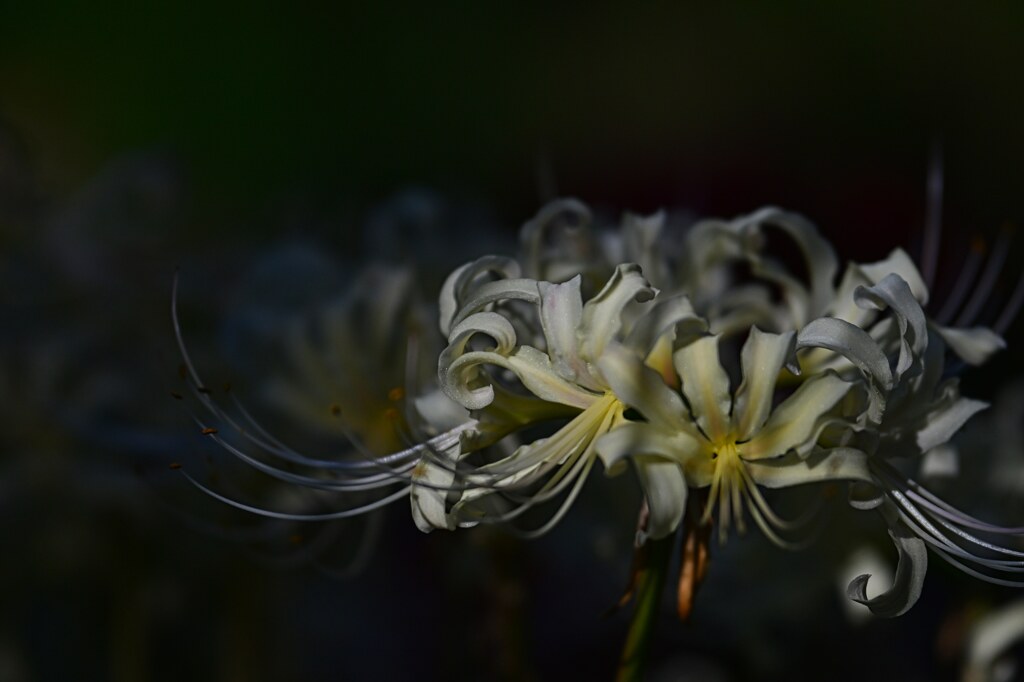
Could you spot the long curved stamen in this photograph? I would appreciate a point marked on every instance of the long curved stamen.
(560, 514)
(1013, 306)
(360, 484)
(370, 459)
(329, 516)
(270, 444)
(575, 466)
(726, 491)
(983, 290)
(962, 285)
(376, 477)
(555, 484)
(914, 489)
(766, 528)
(374, 472)
(952, 554)
(927, 524)
(933, 217)
(760, 509)
(917, 520)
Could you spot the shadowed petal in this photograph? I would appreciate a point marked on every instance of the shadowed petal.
(895, 294)
(795, 424)
(838, 464)
(602, 315)
(705, 384)
(900, 264)
(857, 346)
(762, 358)
(561, 308)
(974, 346)
(429, 508)
(642, 388)
(665, 489)
(636, 438)
(910, 572)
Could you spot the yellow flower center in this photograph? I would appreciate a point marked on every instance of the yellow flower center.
(728, 486)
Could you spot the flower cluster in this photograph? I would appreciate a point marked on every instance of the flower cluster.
(709, 367)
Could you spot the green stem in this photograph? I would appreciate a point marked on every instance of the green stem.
(649, 586)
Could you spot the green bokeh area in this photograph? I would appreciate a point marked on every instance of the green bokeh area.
(633, 102)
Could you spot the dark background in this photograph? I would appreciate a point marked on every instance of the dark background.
(237, 129)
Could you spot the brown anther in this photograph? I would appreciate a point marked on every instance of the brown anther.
(174, 466)
(396, 394)
(208, 431)
(640, 559)
(391, 413)
(694, 565)
(177, 396)
(296, 539)
(335, 410)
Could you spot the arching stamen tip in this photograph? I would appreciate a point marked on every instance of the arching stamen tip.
(208, 431)
(177, 396)
(396, 394)
(174, 466)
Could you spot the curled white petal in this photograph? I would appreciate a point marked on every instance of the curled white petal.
(857, 346)
(894, 293)
(429, 499)
(456, 285)
(906, 587)
(561, 307)
(602, 315)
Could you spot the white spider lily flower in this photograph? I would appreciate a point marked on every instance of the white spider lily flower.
(866, 290)
(732, 441)
(567, 376)
(990, 643)
(713, 247)
(866, 388)
(913, 410)
(559, 242)
(342, 375)
(564, 240)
